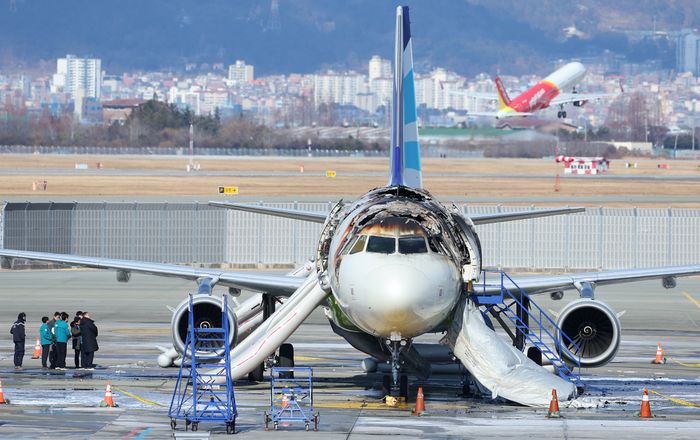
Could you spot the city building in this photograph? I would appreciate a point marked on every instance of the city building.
(688, 52)
(241, 72)
(79, 77)
(379, 68)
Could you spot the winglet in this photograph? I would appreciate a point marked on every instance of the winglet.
(405, 166)
(503, 98)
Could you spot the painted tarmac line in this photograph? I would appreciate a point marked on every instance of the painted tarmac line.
(692, 300)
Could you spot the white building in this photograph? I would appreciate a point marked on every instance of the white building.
(688, 52)
(338, 88)
(379, 68)
(80, 77)
(241, 72)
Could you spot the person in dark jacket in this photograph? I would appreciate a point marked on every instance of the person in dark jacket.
(46, 340)
(88, 346)
(18, 337)
(75, 331)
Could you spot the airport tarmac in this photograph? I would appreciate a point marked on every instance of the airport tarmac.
(133, 319)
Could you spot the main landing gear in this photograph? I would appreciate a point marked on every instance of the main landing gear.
(396, 383)
(285, 357)
(561, 114)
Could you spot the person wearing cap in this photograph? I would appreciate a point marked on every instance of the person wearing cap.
(18, 336)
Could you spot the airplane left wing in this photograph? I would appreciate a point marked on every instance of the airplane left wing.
(281, 285)
(555, 283)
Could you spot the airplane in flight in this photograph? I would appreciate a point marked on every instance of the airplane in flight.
(389, 267)
(546, 93)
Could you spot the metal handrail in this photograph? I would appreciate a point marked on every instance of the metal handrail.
(542, 313)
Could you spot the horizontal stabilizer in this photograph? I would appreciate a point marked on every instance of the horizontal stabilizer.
(523, 215)
(315, 217)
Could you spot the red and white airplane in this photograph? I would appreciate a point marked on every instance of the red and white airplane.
(545, 93)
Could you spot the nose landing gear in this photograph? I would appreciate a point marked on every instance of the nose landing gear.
(396, 384)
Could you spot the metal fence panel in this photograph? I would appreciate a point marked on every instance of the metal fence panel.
(600, 238)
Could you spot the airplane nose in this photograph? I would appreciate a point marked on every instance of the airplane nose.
(396, 293)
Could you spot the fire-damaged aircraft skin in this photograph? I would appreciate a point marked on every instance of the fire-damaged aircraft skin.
(393, 265)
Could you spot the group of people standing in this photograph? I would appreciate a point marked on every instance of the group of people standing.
(54, 335)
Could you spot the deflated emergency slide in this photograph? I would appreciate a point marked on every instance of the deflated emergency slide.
(498, 366)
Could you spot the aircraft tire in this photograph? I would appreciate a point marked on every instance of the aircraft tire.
(403, 386)
(286, 360)
(386, 385)
(563, 115)
(257, 374)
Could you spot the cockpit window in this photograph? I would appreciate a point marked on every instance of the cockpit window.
(359, 245)
(412, 245)
(381, 245)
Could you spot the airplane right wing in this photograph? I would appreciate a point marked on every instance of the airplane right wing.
(552, 283)
(314, 217)
(280, 285)
(566, 98)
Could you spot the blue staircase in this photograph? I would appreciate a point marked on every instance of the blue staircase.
(538, 328)
(207, 395)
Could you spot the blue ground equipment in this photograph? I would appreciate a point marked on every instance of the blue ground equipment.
(196, 398)
(531, 323)
(291, 397)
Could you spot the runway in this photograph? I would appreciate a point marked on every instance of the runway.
(133, 320)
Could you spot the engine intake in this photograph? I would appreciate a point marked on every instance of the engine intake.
(207, 314)
(595, 329)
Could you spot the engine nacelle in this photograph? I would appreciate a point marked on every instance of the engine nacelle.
(207, 313)
(594, 327)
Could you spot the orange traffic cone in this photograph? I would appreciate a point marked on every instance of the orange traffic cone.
(37, 350)
(553, 412)
(285, 401)
(108, 400)
(420, 403)
(645, 410)
(660, 359)
(2, 396)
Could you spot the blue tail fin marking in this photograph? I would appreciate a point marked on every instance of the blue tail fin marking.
(405, 148)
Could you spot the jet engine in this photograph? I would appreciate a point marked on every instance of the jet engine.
(594, 327)
(207, 312)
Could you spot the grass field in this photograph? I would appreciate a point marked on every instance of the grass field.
(463, 178)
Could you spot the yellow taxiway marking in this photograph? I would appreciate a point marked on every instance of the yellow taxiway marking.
(380, 405)
(692, 300)
(307, 358)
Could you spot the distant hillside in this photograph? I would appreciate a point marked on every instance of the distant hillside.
(469, 36)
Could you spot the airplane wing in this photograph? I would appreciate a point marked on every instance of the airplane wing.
(281, 285)
(554, 283)
(566, 98)
(315, 217)
(512, 216)
(500, 115)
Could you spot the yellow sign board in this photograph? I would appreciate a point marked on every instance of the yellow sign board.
(228, 190)
(330, 173)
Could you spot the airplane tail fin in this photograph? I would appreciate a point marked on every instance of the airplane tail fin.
(503, 98)
(405, 149)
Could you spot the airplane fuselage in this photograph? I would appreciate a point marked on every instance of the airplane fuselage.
(540, 95)
(397, 263)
